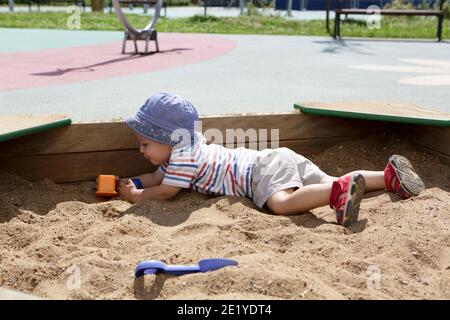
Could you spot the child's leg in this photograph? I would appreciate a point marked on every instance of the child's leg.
(398, 176)
(343, 195)
(308, 197)
(374, 179)
(316, 195)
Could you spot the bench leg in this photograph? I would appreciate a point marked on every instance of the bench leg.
(135, 46)
(156, 42)
(339, 27)
(124, 43)
(335, 25)
(146, 43)
(439, 28)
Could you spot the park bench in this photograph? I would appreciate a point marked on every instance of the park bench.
(80, 3)
(391, 12)
(144, 3)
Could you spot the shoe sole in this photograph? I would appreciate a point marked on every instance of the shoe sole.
(355, 193)
(409, 179)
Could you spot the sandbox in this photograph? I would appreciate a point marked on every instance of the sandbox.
(59, 241)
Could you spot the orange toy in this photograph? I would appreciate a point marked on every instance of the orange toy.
(106, 186)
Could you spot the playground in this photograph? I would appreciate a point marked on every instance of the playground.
(79, 66)
(346, 104)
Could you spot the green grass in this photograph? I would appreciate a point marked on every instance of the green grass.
(392, 27)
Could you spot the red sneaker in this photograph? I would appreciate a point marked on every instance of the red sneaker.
(345, 197)
(400, 177)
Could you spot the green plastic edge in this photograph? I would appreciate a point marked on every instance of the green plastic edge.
(24, 132)
(367, 116)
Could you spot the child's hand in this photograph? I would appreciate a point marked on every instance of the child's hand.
(128, 191)
(121, 180)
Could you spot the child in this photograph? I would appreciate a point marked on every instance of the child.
(285, 181)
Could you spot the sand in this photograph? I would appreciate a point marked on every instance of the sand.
(61, 242)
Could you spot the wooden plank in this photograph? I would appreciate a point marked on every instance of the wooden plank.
(443, 158)
(92, 137)
(75, 138)
(434, 138)
(72, 167)
(307, 147)
(85, 166)
(82, 151)
(292, 125)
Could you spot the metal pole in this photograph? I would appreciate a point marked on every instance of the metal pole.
(241, 5)
(289, 8)
(11, 5)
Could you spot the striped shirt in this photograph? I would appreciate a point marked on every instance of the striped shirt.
(210, 168)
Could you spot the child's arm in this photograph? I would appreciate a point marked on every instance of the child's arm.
(150, 179)
(147, 179)
(129, 192)
(161, 192)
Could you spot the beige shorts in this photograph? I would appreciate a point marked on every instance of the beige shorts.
(279, 169)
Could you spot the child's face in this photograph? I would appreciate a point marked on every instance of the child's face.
(157, 153)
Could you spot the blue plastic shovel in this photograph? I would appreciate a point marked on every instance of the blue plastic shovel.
(157, 266)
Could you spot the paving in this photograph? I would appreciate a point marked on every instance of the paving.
(83, 73)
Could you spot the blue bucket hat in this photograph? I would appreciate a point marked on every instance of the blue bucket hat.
(165, 118)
